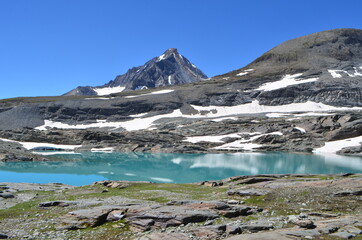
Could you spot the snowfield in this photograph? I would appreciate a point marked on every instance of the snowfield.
(108, 90)
(287, 80)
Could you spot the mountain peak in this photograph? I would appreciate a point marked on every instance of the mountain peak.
(171, 68)
(168, 53)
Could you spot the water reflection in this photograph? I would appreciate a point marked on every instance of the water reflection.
(177, 168)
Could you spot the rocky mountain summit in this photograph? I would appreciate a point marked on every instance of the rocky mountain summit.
(171, 68)
(303, 95)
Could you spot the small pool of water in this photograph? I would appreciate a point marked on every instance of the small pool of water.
(85, 168)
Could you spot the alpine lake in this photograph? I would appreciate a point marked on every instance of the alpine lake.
(85, 168)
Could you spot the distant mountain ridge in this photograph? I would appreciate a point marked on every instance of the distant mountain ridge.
(171, 68)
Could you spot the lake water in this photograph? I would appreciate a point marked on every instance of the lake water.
(82, 169)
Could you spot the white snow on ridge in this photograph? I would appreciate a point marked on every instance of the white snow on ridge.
(335, 146)
(245, 72)
(160, 58)
(212, 112)
(108, 90)
(32, 145)
(152, 93)
(246, 144)
(255, 107)
(338, 73)
(287, 80)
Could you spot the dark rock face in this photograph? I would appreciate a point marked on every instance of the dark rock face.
(171, 68)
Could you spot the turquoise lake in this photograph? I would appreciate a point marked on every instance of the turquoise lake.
(85, 168)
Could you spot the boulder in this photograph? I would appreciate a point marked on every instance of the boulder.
(165, 236)
(57, 203)
(6, 195)
(85, 218)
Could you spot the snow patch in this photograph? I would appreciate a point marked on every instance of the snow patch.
(245, 144)
(108, 90)
(223, 118)
(32, 145)
(300, 129)
(152, 93)
(244, 72)
(169, 80)
(255, 107)
(338, 73)
(335, 146)
(162, 57)
(287, 80)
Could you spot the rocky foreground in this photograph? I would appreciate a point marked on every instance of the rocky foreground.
(245, 207)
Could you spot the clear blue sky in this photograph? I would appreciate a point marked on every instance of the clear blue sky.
(48, 47)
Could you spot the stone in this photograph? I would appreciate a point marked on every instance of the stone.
(323, 215)
(237, 211)
(84, 218)
(272, 235)
(233, 229)
(7, 195)
(353, 230)
(343, 234)
(348, 193)
(167, 216)
(304, 223)
(209, 232)
(255, 228)
(253, 180)
(165, 236)
(303, 233)
(57, 203)
(247, 192)
(3, 236)
(233, 202)
(141, 225)
(116, 215)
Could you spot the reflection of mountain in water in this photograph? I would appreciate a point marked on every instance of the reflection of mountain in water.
(181, 168)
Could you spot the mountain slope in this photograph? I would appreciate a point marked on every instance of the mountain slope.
(299, 95)
(171, 68)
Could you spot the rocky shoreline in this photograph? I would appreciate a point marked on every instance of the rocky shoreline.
(244, 207)
(259, 133)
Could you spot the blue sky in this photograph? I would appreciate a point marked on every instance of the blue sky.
(48, 47)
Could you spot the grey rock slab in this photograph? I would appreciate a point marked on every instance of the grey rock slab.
(304, 223)
(210, 232)
(165, 236)
(348, 193)
(247, 192)
(7, 195)
(84, 218)
(233, 229)
(272, 235)
(182, 214)
(57, 203)
(352, 229)
(303, 233)
(255, 228)
(141, 225)
(343, 234)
